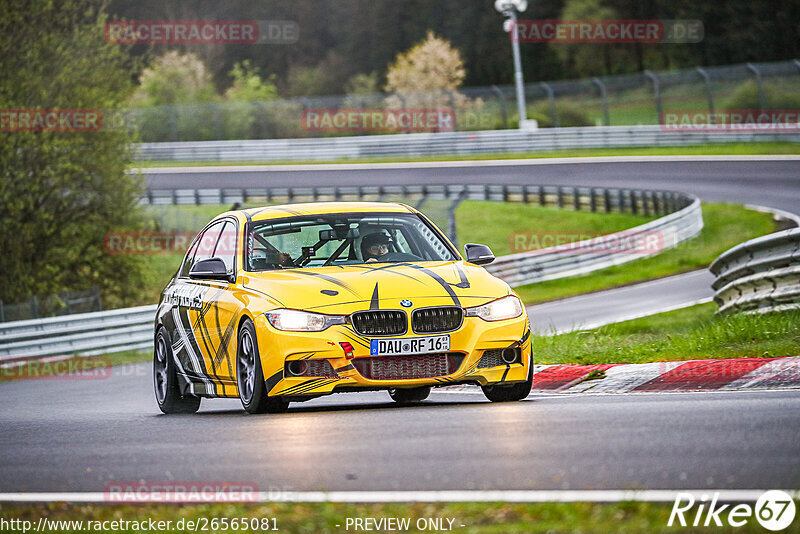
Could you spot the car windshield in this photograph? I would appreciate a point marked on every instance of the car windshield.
(343, 239)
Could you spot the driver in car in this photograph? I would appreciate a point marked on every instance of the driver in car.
(374, 246)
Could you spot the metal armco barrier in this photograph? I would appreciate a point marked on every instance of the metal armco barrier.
(83, 333)
(762, 274)
(429, 144)
(132, 328)
(586, 256)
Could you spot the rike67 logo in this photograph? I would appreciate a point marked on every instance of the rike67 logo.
(774, 510)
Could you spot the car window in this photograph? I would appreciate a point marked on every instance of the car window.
(206, 243)
(342, 239)
(188, 260)
(226, 245)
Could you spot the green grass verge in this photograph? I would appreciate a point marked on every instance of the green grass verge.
(725, 225)
(514, 227)
(687, 334)
(721, 149)
(506, 518)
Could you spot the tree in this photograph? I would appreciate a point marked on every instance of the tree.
(62, 192)
(174, 79)
(427, 75)
(591, 59)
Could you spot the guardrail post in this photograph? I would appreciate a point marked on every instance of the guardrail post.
(560, 197)
(656, 93)
(174, 196)
(542, 198)
(657, 203)
(761, 102)
(551, 97)
(501, 98)
(646, 203)
(576, 199)
(607, 200)
(592, 200)
(173, 123)
(196, 197)
(423, 199)
(525, 194)
(634, 207)
(621, 201)
(452, 231)
(707, 81)
(600, 85)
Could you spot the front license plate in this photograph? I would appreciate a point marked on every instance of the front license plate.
(409, 345)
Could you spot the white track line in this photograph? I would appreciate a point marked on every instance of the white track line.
(628, 317)
(461, 163)
(433, 496)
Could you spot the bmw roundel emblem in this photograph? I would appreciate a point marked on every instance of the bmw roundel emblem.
(406, 303)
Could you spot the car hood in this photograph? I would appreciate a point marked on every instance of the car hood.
(342, 290)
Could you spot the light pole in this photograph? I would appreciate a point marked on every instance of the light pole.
(510, 8)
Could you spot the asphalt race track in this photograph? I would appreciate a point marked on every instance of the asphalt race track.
(78, 435)
(773, 183)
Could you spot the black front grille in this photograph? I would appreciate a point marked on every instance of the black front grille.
(408, 367)
(379, 322)
(433, 320)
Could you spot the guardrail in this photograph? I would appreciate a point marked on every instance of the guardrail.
(590, 255)
(132, 328)
(82, 333)
(430, 144)
(759, 275)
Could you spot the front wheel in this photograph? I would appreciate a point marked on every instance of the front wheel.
(165, 379)
(510, 393)
(250, 377)
(405, 396)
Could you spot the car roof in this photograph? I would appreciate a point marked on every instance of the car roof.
(322, 208)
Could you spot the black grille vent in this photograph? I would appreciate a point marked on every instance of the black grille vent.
(434, 320)
(408, 367)
(380, 322)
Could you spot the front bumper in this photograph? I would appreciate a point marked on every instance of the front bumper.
(472, 339)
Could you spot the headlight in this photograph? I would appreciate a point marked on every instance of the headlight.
(504, 308)
(300, 321)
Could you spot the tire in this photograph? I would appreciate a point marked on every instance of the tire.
(406, 396)
(165, 379)
(250, 376)
(511, 393)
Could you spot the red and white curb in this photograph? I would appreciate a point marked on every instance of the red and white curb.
(692, 375)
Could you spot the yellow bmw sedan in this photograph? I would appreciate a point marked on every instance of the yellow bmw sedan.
(287, 303)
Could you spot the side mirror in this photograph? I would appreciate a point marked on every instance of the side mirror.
(478, 254)
(210, 269)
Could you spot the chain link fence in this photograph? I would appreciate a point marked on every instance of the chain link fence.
(63, 303)
(621, 100)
